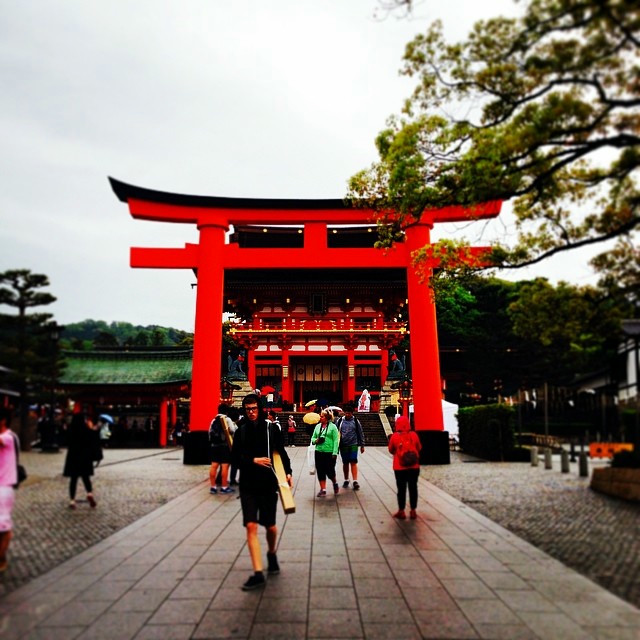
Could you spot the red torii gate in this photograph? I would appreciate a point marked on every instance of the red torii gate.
(211, 256)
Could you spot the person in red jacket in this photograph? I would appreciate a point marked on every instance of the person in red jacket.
(405, 446)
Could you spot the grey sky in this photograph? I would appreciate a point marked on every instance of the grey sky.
(211, 97)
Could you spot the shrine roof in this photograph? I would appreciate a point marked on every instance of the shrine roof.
(127, 367)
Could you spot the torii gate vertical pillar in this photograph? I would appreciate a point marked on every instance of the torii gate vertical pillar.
(425, 364)
(207, 345)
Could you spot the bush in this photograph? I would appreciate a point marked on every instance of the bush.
(626, 459)
(488, 431)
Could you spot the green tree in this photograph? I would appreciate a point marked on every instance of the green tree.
(572, 329)
(141, 338)
(524, 333)
(158, 337)
(476, 335)
(105, 338)
(27, 348)
(541, 109)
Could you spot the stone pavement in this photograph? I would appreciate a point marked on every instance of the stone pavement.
(348, 571)
(129, 483)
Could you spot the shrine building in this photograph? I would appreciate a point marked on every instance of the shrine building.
(316, 311)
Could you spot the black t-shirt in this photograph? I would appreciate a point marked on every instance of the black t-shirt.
(250, 441)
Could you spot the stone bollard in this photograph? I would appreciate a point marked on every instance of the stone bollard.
(583, 465)
(564, 461)
(573, 450)
(534, 456)
(547, 458)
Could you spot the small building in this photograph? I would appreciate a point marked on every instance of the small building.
(133, 381)
(325, 334)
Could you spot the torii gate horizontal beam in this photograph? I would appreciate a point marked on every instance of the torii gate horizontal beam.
(234, 257)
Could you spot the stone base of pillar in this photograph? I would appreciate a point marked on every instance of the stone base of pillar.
(196, 447)
(435, 447)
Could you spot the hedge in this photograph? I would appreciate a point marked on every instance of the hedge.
(487, 431)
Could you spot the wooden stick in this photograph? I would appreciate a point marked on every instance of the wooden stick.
(286, 496)
(227, 434)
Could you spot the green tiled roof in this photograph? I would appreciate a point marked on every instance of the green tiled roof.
(127, 367)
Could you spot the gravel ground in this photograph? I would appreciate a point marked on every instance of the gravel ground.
(597, 535)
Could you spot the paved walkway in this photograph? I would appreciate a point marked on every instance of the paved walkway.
(348, 571)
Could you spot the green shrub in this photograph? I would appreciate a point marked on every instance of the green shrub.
(626, 459)
(488, 431)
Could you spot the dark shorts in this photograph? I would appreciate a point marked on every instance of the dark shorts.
(349, 453)
(220, 454)
(259, 508)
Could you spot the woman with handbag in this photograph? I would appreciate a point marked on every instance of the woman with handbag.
(326, 440)
(83, 450)
(405, 446)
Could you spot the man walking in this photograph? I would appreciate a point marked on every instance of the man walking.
(9, 444)
(351, 438)
(253, 445)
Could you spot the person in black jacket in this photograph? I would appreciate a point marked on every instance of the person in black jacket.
(82, 450)
(253, 445)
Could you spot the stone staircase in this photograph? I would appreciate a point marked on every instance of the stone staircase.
(372, 425)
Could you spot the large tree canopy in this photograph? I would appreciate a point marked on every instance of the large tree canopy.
(26, 347)
(542, 109)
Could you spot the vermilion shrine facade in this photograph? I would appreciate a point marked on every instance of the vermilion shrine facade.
(319, 308)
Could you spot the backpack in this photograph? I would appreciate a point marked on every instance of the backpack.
(359, 429)
(407, 451)
(216, 433)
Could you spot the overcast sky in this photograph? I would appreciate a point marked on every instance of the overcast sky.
(246, 98)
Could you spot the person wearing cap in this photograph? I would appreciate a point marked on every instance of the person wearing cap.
(403, 440)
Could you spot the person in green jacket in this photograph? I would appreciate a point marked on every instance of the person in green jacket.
(326, 440)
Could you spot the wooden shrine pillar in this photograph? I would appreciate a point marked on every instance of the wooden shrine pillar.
(207, 343)
(251, 367)
(351, 375)
(286, 390)
(173, 412)
(425, 360)
(162, 435)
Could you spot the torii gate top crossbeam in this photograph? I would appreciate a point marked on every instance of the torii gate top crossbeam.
(148, 204)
